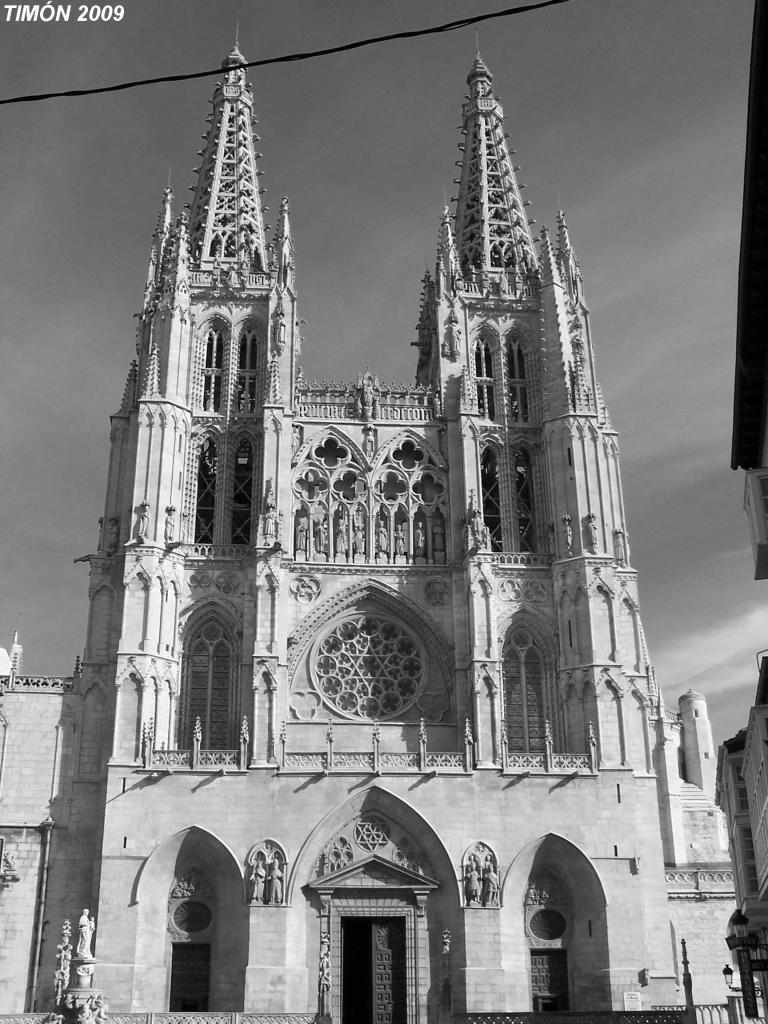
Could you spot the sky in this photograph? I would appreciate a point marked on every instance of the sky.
(629, 114)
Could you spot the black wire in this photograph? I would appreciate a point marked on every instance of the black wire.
(287, 58)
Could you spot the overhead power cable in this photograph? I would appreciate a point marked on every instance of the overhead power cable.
(287, 58)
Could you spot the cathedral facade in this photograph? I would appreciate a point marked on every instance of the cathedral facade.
(365, 725)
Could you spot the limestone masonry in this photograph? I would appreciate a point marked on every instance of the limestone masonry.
(365, 724)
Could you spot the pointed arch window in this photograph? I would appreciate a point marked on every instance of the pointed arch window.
(523, 492)
(205, 510)
(524, 694)
(242, 493)
(489, 482)
(247, 370)
(517, 383)
(486, 404)
(213, 367)
(209, 687)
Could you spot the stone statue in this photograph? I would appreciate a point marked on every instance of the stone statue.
(382, 537)
(446, 941)
(170, 525)
(399, 540)
(321, 537)
(419, 540)
(113, 535)
(324, 976)
(302, 535)
(269, 524)
(142, 525)
(258, 879)
(568, 535)
(472, 882)
(275, 882)
(341, 535)
(85, 929)
(620, 547)
(358, 538)
(438, 538)
(485, 537)
(100, 541)
(490, 884)
(592, 531)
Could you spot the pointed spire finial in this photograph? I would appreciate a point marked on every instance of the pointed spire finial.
(237, 34)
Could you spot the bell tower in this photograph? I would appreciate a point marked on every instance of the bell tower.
(197, 444)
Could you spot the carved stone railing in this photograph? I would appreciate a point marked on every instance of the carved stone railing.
(339, 400)
(193, 1017)
(706, 1013)
(39, 684)
(207, 279)
(676, 1016)
(216, 550)
(699, 883)
(521, 287)
(170, 759)
(522, 558)
(571, 763)
(218, 759)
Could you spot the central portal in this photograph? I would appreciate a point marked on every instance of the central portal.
(373, 970)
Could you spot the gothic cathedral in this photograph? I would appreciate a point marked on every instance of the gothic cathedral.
(365, 729)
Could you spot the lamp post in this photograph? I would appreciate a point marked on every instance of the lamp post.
(744, 942)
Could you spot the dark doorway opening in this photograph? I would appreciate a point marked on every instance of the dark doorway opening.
(373, 989)
(190, 976)
(549, 979)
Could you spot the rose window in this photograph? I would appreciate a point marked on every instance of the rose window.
(368, 667)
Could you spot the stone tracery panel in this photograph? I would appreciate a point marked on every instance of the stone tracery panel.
(343, 512)
(368, 833)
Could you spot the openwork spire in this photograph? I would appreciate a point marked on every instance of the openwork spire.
(491, 227)
(225, 222)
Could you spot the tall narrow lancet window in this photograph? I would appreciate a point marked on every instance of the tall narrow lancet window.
(484, 380)
(517, 384)
(205, 511)
(209, 687)
(212, 369)
(246, 392)
(489, 482)
(242, 493)
(524, 701)
(523, 490)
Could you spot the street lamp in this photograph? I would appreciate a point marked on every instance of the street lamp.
(744, 942)
(728, 975)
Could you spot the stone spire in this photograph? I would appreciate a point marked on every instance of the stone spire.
(158, 245)
(447, 271)
(225, 222)
(570, 271)
(491, 227)
(16, 653)
(285, 265)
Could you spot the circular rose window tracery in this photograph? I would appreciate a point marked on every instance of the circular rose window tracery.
(368, 667)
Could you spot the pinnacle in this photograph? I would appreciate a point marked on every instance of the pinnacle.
(479, 69)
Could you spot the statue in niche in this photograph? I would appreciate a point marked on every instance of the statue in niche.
(85, 929)
(321, 537)
(591, 520)
(399, 540)
(169, 527)
(100, 541)
(365, 400)
(382, 537)
(358, 535)
(258, 878)
(438, 538)
(274, 887)
(568, 535)
(302, 535)
(419, 540)
(472, 890)
(269, 524)
(142, 523)
(620, 546)
(340, 539)
(490, 894)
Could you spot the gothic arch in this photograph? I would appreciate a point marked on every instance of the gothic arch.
(188, 852)
(401, 812)
(211, 604)
(358, 456)
(210, 665)
(555, 856)
(385, 452)
(381, 595)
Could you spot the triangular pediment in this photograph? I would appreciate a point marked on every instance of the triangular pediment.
(375, 873)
